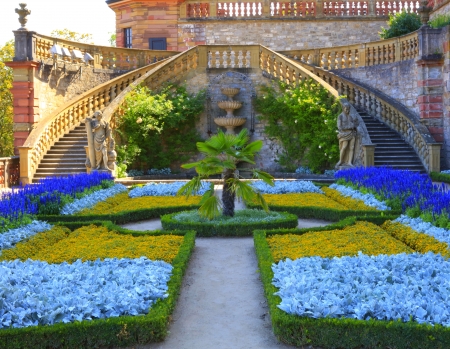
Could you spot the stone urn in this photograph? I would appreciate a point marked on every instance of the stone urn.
(229, 121)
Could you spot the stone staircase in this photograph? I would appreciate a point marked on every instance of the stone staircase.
(66, 156)
(390, 150)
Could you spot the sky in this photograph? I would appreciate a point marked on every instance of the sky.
(82, 16)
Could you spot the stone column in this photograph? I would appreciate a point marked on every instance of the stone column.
(25, 103)
(430, 81)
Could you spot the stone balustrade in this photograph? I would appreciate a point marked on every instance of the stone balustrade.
(103, 57)
(235, 56)
(392, 113)
(9, 172)
(67, 117)
(294, 9)
(366, 54)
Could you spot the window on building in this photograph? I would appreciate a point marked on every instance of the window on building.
(157, 44)
(127, 38)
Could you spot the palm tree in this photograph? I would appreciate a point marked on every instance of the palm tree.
(222, 154)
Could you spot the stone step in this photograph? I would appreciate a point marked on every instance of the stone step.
(62, 165)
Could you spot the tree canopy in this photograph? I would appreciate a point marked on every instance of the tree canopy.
(6, 101)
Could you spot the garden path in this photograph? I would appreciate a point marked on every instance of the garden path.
(222, 304)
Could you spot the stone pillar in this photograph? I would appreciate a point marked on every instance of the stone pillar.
(25, 103)
(430, 81)
(25, 169)
(368, 155)
(445, 37)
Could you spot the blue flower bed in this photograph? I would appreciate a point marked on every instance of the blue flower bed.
(27, 200)
(285, 187)
(163, 189)
(412, 189)
(404, 286)
(92, 199)
(13, 236)
(37, 293)
(368, 199)
(419, 225)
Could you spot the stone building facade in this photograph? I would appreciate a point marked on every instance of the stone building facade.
(179, 25)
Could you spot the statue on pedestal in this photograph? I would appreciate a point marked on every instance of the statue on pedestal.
(100, 153)
(347, 136)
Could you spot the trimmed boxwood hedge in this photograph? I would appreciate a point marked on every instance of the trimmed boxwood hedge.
(440, 177)
(206, 229)
(340, 333)
(118, 218)
(112, 332)
(328, 214)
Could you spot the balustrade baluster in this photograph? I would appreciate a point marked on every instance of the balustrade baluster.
(240, 59)
(248, 59)
(325, 61)
(332, 60)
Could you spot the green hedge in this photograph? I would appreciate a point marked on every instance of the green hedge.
(327, 214)
(440, 177)
(232, 229)
(119, 218)
(112, 332)
(341, 333)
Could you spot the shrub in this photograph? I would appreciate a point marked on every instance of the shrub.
(303, 120)
(158, 129)
(439, 21)
(400, 24)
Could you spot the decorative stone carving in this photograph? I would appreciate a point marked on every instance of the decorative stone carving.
(101, 154)
(23, 12)
(229, 121)
(347, 136)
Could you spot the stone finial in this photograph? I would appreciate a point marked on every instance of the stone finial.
(23, 13)
(424, 12)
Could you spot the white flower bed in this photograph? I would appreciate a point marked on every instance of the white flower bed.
(162, 189)
(369, 199)
(419, 225)
(11, 237)
(92, 199)
(37, 293)
(284, 187)
(367, 287)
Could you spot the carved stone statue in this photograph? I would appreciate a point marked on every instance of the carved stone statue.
(101, 154)
(347, 137)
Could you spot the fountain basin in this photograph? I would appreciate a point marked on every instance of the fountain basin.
(230, 123)
(229, 105)
(230, 91)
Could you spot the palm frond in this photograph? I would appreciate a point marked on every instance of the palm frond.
(207, 194)
(253, 147)
(242, 189)
(190, 188)
(264, 176)
(260, 200)
(211, 208)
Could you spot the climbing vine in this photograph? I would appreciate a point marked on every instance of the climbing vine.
(303, 120)
(157, 130)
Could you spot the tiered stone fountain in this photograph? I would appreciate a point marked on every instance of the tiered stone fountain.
(229, 121)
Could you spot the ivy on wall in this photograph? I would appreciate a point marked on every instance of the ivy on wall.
(157, 130)
(303, 119)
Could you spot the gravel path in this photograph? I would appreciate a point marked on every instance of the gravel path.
(222, 304)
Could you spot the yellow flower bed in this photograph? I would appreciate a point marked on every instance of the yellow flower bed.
(92, 242)
(422, 243)
(362, 236)
(350, 203)
(122, 202)
(303, 199)
(44, 240)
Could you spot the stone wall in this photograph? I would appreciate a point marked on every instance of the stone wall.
(249, 80)
(279, 34)
(397, 80)
(55, 87)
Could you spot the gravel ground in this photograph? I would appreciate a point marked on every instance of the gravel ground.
(222, 304)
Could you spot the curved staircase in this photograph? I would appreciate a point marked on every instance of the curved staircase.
(390, 149)
(66, 156)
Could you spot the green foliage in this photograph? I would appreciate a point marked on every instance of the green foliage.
(67, 34)
(158, 130)
(400, 24)
(439, 21)
(222, 154)
(339, 332)
(123, 331)
(440, 177)
(303, 119)
(112, 39)
(6, 101)
(242, 224)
